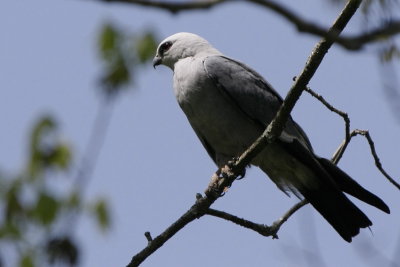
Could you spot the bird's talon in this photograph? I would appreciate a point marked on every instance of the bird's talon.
(241, 174)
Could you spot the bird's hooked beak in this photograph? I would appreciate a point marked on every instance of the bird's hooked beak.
(156, 61)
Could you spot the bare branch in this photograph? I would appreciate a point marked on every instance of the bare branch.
(301, 24)
(218, 184)
(262, 229)
(354, 42)
(339, 152)
(196, 211)
(333, 109)
(277, 224)
(378, 163)
(148, 237)
(172, 6)
(357, 42)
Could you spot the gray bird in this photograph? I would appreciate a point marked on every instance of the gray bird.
(229, 105)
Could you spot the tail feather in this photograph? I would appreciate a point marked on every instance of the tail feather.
(322, 183)
(350, 186)
(338, 210)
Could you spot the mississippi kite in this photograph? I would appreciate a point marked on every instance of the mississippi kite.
(229, 105)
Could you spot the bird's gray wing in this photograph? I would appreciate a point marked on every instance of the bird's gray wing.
(210, 150)
(254, 96)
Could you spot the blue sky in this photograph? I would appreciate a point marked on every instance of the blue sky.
(152, 164)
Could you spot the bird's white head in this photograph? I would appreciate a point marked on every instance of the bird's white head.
(179, 46)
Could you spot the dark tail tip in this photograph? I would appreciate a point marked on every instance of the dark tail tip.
(339, 211)
(349, 186)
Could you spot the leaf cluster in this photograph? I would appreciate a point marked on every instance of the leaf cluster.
(121, 53)
(34, 221)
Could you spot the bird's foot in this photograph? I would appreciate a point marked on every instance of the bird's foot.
(223, 178)
(215, 186)
(239, 174)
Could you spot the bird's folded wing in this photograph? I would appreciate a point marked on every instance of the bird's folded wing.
(255, 97)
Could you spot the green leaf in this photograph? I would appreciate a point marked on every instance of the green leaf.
(46, 209)
(13, 205)
(10, 230)
(45, 150)
(37, 150)
(113, 51)
(61, 156)
(108, 41)
(146, 47)
(101, 213)
(26, 261)
(45, 124)
(73, 200)
(116, 75)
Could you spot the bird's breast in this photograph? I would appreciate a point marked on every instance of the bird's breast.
(211, 114)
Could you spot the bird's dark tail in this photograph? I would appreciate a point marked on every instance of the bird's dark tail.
(325, 192)
(338, 210)
(351, 187)
(345, 217)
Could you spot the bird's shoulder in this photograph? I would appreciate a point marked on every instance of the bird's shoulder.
(232, 73)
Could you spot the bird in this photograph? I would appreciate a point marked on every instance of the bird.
(229, 105)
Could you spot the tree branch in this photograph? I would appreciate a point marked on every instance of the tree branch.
(378, 163)
(339, 152)
(350, 42)
(172, 6)
(359, 41)
(348, 135)
(275, 128)
(218, 184)
(355, 42)
(262, 229)
(273, 230)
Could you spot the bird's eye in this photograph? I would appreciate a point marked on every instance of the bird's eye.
(165, 47)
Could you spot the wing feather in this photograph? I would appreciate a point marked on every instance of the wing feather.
(254, 96)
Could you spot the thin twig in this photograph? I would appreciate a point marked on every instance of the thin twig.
(217, 186)
(339, 152)
(342, 114)
(148, 237)
(262, 229)
(277, 224)
(378, 163)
